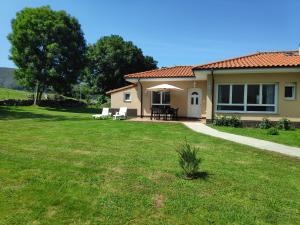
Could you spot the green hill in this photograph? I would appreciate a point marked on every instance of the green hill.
(6, 93)
(7, 78)
(9, 89)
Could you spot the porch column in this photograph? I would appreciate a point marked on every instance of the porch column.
(209, 96)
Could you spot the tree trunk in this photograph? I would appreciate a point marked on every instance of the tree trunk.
(39, 96)
(36, 92)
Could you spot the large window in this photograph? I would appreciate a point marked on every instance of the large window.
(160, 98)
(246, 97)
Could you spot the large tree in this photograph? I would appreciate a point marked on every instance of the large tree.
(110, 58)
(48, 48)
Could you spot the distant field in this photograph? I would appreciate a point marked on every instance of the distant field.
(6, 93)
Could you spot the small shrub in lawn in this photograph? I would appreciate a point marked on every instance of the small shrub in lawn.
(284, 124)
(189, 160)
(273, 131)
(265, 124)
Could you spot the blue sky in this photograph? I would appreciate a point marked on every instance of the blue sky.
(177, 32)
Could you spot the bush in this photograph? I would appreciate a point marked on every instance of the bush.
(220, 121)
(16, 102)
(265, 124)
(188, 159)
(284, 124)
(235, 121)
(228, 121)
(273, 131)
(103, 101)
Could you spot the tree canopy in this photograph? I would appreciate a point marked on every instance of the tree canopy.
(110, 58)
(48, 48)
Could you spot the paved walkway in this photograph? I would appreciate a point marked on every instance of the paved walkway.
(253, 142)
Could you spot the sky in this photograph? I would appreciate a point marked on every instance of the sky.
(177, 32)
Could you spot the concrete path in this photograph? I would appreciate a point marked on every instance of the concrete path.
(253, 142)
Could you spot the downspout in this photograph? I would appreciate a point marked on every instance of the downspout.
(213, 95)
(141, 97)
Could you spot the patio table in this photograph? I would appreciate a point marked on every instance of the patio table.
(164, 112)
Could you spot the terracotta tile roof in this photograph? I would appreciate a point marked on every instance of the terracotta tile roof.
(121, 88)
(257, 60)
(176, 71)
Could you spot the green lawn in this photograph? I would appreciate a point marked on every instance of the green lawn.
(291, 138)
(58, 166)
(6, 93)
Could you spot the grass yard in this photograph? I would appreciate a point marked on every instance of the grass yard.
(291, 138)
(58, 166)
(6, 93)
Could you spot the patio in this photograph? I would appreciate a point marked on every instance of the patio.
(179, 120)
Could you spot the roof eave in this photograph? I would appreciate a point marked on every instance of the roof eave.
(159, 77)
(121, 89)
(239, 68)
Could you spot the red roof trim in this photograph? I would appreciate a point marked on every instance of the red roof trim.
(167, 72)
(121, 88)
(257, 60)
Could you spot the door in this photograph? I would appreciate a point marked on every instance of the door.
(194, 102)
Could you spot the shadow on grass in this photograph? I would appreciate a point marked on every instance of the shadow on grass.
(203, 175)
(9, 113)
(73, 109)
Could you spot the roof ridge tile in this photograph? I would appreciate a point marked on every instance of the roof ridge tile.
(174, 71)
(259, 60)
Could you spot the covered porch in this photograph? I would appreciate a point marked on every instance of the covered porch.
(174, 100)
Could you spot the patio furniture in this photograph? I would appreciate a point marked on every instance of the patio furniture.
(122, 114)
(165, 112)
(104, 114)
(156, 112)
(172, 114)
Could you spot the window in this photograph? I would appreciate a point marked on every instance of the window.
(223, 93)
(246, 97)
(195, 98)
(238, 94)
(230, 97)
(161, 98)
(156, 99)
(290, 91)
(268, 94)
(127, 96)
(253, 94)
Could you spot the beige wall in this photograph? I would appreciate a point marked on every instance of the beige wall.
(209, 102)
(286, 108)
(178, 98)
(117, 99)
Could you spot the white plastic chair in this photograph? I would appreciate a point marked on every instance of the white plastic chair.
(122, 114)
(105, 113)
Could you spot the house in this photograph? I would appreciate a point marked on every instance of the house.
(264, 84)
